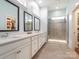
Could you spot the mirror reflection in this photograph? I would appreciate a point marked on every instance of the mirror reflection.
(36, 24)
(8, 18)
(28, 23)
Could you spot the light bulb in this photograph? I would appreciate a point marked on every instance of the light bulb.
(40, 1)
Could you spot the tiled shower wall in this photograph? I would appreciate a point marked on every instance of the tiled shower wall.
(57, 29)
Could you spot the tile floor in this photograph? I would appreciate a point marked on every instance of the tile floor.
(56, 50)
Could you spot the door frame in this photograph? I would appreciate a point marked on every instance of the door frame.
(74, 25)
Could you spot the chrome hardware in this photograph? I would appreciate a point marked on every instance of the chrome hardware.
(19, 52)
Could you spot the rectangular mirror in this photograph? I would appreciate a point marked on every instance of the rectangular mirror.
(9, 16)
(28, 22)
(36, 24)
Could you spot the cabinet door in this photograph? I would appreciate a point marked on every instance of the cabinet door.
(9, 55)
(25, 52)
(40, 41)
(12, 56)
(34, 46)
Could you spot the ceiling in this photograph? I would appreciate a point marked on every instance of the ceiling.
(53, 4)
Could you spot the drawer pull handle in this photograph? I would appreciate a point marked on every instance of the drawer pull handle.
(18, 51)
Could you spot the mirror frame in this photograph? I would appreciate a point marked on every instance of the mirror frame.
(17, 17)
(35, 24)
(31, 23)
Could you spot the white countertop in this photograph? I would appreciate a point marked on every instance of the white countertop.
(15, 38)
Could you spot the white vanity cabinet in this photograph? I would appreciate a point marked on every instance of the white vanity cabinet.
(35, 45)
(21, 52)
(24, 48)
(42, 39)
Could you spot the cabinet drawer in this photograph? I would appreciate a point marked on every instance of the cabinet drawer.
(23, 52)
(11, 46)
(9, 55)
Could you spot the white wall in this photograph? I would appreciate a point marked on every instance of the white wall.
(56, 13)
(44, 19)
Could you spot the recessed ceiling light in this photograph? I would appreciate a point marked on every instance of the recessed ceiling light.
(57, 18)
(77, 4)
(57, 7)
(40, 1)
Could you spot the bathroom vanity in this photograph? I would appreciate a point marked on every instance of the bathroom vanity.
(23, 46)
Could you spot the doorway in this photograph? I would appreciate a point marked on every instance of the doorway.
(57, 29)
